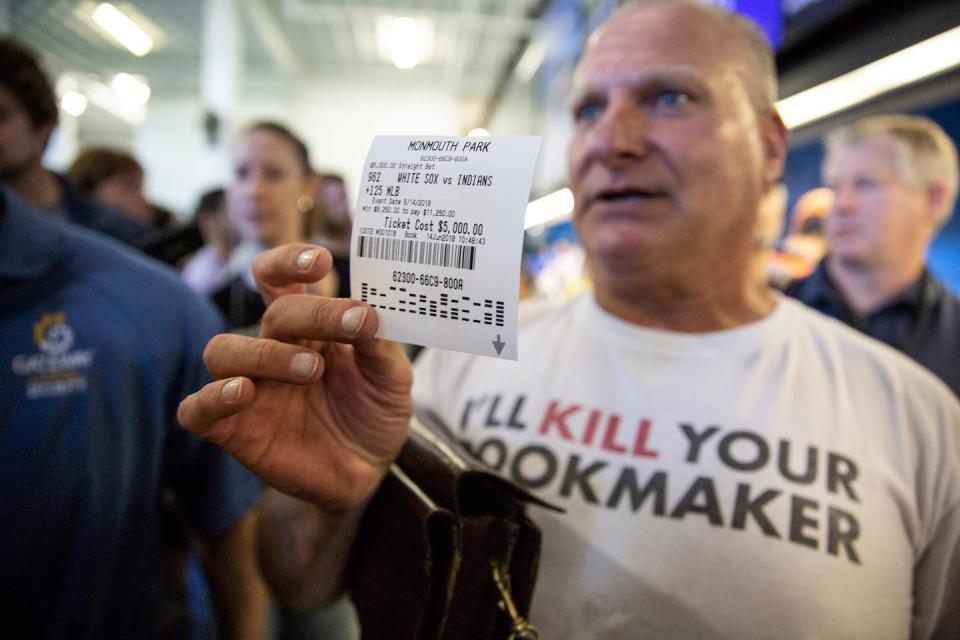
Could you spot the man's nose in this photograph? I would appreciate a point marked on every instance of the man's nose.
(621, 132)
(844, 200)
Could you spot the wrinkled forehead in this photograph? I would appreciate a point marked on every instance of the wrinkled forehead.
(644, 38)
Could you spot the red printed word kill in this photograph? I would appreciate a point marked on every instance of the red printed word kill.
(597, 428)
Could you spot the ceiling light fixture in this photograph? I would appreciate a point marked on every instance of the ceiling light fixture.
(404, 41)
(73, 102)
(121, 28)
(131, 88)
(107, 98)
(552, 207)
(531, 60)
(899, 69)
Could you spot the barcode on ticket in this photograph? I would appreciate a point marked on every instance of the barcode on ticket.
(486, 311)
(438, 254)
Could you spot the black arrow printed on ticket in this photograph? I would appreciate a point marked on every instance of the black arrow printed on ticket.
(438, 236)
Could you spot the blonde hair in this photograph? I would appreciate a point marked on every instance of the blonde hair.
(923, 152)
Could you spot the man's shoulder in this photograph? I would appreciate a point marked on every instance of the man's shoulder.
(837, 335)
(950, 298)
(863, 361)
(134, 284)
(95, 253)
(810, 288)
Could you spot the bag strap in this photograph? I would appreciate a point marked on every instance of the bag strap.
(436, 460)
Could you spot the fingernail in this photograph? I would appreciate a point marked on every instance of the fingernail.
(352, 320)
(306, 259)
(304, 364)
(231, 390)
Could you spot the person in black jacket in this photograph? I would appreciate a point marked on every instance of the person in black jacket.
(895, 184)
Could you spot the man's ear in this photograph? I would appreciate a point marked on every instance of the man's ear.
(44, 132)
(774, 137)
(936, 194)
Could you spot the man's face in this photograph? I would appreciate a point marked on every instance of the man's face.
(21, 144)
(669, 157)
(877, 217)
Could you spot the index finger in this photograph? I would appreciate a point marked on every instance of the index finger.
(289, 268)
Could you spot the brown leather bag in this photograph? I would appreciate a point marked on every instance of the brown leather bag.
(446, 550)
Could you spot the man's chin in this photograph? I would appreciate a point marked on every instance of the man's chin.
(621, 251)
(853, 261)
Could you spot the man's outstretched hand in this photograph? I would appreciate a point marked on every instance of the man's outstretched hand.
(316, 406)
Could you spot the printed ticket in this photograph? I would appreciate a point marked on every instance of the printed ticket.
(437, 239)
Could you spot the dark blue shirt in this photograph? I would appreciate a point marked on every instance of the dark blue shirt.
(923, 321)
(98, 345)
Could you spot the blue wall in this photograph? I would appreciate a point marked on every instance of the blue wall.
(803, 173)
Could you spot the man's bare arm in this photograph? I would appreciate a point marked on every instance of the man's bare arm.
(304, 550)
(239, 593)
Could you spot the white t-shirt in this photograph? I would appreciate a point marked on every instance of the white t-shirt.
(785, 479)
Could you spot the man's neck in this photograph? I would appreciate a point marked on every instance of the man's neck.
(866, 288)
(37, 186)
(700, 307)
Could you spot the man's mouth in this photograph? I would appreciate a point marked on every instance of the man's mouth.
(615, 196)
(844, 231)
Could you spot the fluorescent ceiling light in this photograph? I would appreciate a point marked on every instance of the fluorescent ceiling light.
(131, 88)
(121, 28)
(405, 41)
(478, 133)
(106, 98)
(73, 102)
(914, 63)
(552, 207)
(531, 60)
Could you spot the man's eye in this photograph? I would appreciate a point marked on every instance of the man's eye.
(671, 99)
(587, 112)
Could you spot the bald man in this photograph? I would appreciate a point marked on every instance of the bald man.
(732, 465)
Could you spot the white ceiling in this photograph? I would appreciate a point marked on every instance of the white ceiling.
(286, 40)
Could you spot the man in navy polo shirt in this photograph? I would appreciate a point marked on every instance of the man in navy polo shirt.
(97, 347)
(895, 183)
